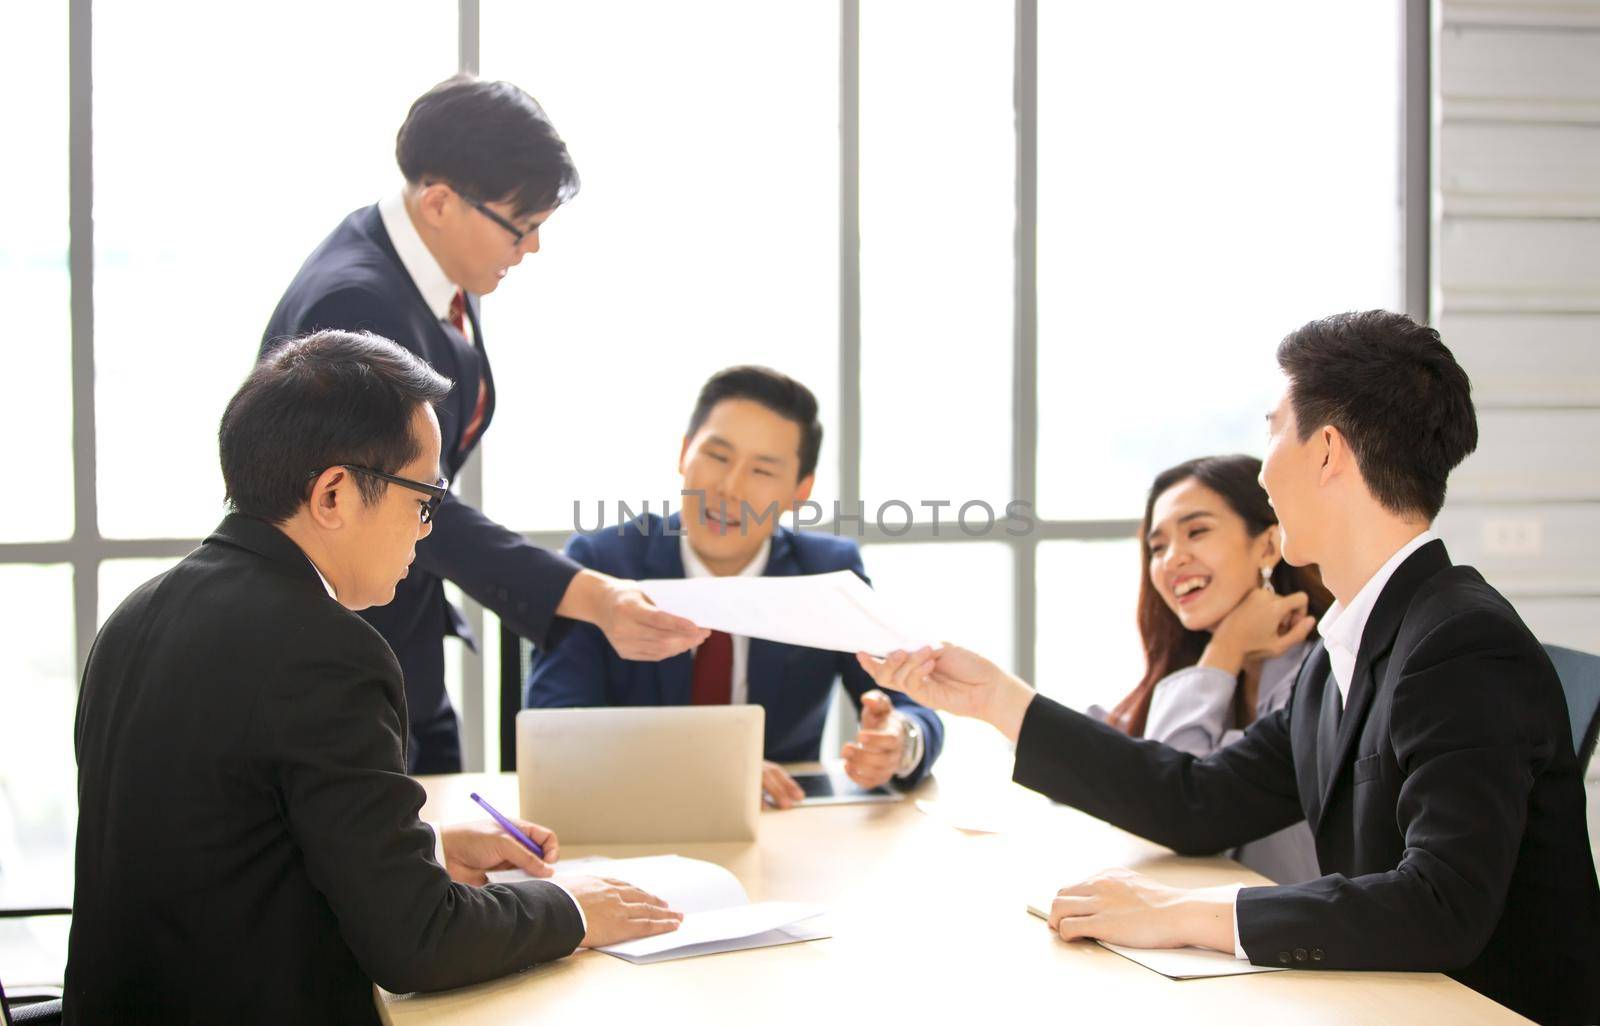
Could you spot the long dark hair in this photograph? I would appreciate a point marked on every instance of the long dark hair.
(1168, 644)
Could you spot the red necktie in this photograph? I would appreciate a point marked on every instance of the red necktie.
(458, 317)
(458, 312)
(713, 671)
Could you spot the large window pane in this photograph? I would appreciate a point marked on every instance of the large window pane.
(1088, 649)
(957, 592)
(938, 218)
(119, 577)
(706, 234)
(1210, 177)
(221, 158)
(37, 705)
(33, 269)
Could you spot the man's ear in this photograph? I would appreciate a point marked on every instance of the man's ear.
(433, 202)
(683, 455)
(1335, 454)
(331, 494)
(802, 491)
(1269, 546)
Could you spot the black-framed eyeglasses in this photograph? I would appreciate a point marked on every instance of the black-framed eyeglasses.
(435, 492)
(517, 234)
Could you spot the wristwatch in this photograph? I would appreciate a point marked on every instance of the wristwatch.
(911, 747)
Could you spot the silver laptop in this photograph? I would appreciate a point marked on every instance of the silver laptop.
(642, 775)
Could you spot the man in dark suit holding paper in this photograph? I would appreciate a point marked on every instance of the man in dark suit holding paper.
(484, 169)
(248, 843)
(1426, 742)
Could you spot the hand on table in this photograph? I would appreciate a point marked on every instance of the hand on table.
(1124, 907)
(778, 787)
(471, 850)
(873, 758)
(617, 911)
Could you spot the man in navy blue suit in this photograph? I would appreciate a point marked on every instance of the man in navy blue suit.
(484, 169)
(749, 456)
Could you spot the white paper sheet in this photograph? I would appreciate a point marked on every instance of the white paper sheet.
(686, 885)
(1189, 963)
(815, 928)
(717, 914)
(723, 924)
(836, 611)
(1178, 963)
(589, 864)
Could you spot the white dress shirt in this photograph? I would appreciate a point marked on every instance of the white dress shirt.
(1342, 626)
(437, 290)
(740, 693)
(324, 581)
(693, 567)
(1341, 629)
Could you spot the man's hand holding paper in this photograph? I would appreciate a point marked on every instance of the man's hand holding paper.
(835, 611)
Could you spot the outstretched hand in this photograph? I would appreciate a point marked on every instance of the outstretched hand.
(956, 680)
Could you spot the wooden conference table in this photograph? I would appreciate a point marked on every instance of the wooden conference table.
(929, 926)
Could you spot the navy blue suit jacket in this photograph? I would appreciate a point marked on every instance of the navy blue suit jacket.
(354, 280)
(792, 683)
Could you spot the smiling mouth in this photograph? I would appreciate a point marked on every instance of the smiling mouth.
(718, 522)
(1185, 590)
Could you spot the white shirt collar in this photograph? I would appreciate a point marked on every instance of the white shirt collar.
(437, 290)
(324, 581)
(1342, 626)
(693, 567)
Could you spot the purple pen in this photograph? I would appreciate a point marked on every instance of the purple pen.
(510, 827)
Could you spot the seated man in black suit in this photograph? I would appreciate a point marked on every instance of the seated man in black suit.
(248, 842)
(1426, 741)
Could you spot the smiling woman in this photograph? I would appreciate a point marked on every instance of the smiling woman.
(1224, 622)
(1210, 543)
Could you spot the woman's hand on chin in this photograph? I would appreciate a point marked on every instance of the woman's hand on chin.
(1262, 626)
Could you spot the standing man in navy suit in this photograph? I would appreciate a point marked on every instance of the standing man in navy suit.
(749, 456)
(484, 169)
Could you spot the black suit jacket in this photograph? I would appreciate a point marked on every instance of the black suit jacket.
(1447, 802)
(248, 842)
(354, 280)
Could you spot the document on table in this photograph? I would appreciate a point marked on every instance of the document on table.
(836, 611)
(1179, 963)
(717, 914)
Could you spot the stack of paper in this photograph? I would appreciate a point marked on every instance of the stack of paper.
(718, 915)
(832, 611)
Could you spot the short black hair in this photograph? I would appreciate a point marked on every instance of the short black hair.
(315, 402)
(776, 391)
(1397, 395)
(488, 140)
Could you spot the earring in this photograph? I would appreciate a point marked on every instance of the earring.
(1266, 579)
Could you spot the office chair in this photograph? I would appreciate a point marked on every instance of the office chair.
(1580, 680)
(516, 659)
(30, 1010)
